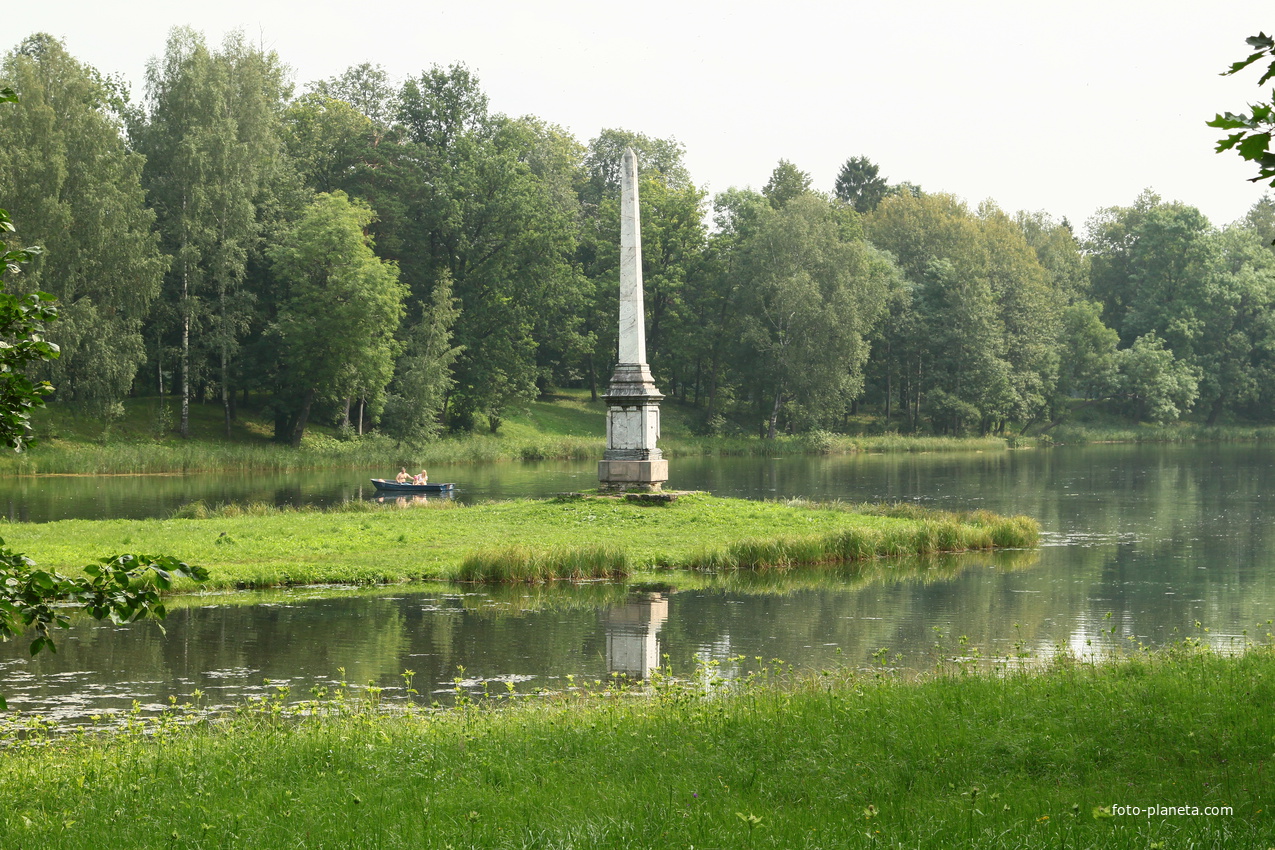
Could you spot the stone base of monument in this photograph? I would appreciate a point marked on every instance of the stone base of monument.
(632, 476)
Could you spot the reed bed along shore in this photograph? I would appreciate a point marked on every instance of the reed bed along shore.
(151, 458)
(1079, 434)
(565, 426)
(58, 457)
(262, 546)
(499, 600)
(1166, 749)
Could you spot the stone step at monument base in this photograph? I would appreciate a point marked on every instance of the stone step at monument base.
(638, 476)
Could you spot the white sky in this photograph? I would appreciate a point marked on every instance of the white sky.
(1062, 107)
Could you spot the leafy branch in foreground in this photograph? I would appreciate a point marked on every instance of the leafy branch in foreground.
(122, 589)
(1253, 141)
(22, 320)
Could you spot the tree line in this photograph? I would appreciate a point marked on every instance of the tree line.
(385, 254)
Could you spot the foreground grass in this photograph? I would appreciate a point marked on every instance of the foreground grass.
(826, 761)
(261, 546)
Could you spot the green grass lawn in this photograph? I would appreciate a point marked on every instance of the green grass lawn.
(832, 760)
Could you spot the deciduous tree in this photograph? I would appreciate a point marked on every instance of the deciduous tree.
(811, 293)
(422, 375)
(211, 135)
(74, 187)
(786, 182)
(485, 205)
(336, 328)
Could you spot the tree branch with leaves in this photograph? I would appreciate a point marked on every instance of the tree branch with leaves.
(1252, 141)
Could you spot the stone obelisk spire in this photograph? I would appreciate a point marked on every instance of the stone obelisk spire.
(632, 461)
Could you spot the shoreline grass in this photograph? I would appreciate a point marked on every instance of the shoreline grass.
(1187, 432)
(827, 759)
(513, 598)
(262, 546)
(566, 426)
(57, 457)
(60, 457)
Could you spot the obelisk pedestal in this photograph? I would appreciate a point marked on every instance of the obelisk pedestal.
(632, 461)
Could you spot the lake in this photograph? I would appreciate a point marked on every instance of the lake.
(1142, 545)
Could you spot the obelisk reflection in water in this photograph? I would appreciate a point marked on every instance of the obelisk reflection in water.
(633, 635)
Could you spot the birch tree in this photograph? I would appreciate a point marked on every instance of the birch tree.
(210, 132)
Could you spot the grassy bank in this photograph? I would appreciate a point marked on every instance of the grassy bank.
(262, 546)
(826, 761)
(1185, 432)
(565, 427)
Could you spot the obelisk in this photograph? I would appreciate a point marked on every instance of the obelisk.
(632, 461)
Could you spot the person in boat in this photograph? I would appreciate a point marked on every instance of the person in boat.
(402, 477)
(423, 478)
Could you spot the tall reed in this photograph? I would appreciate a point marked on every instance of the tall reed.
(523, 564)
(59, 457)
(930, 536)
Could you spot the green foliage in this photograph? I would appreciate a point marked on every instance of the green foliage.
(860, 184)
(344, 304)
(660, 158)
(521, 220)
(1162, 269)
(22, 328)
(485, 205)
(122, 588)
(810, 296)
(214, 171)
(365, 87)
(1089, 369)
(22, 323)
(975, 333)
(74, 185)
(326, 139)
(1253, 141)
(1058, 251)
(1158, 385)
(786, 182)
(422, 378)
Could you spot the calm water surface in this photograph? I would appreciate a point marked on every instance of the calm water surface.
(1141, 543)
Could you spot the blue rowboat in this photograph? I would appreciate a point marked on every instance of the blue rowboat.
(395, 487)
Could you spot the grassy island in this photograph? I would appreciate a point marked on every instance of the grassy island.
(1164, 750)
(576, 537)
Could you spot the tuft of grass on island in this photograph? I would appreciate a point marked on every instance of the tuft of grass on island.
(1168, 749)
(361, 542)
